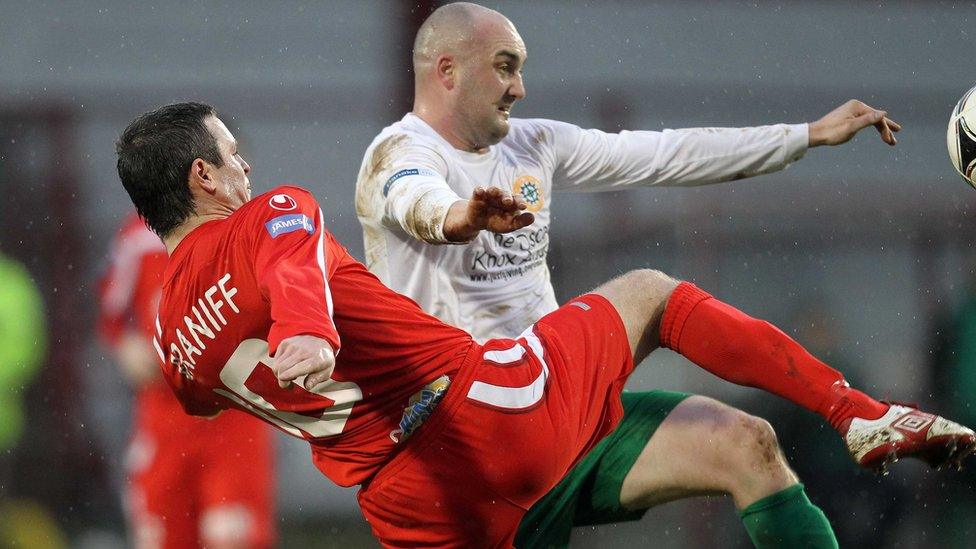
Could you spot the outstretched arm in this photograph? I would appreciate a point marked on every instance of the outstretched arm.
(589, 160)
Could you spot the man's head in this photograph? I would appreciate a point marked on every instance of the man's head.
(180, 161)
(468, 67)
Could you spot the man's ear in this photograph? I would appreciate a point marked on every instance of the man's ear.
(201, 176)
(446, 70)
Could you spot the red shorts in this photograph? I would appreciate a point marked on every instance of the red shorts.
(518, 415)
(193, 480)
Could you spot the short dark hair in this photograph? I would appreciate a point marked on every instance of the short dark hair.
(155, 154)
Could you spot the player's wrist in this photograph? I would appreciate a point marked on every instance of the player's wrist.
(457, 228)
(816, 134)
(461, 235)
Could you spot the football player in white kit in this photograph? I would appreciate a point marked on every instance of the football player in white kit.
(454, 200)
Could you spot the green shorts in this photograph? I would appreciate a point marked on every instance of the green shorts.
(590, 492)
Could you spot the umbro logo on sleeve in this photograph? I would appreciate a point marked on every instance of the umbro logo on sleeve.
(282, 202)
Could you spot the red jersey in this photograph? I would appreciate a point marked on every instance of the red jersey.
(236, 287)
(183, 472)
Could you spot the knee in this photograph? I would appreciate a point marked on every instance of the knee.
(650, 279)
(640, 297)
(747, 444)
(650, 284)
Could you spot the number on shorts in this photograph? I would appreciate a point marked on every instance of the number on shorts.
(252, 352)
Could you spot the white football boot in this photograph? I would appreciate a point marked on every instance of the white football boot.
(906, 431)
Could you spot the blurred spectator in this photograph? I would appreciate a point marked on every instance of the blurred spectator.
(23, 342)
(192, 482)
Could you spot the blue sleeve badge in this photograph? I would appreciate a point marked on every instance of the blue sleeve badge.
(289, 224)
(404, 173)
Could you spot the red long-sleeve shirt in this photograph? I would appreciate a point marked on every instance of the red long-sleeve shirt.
(235, 288)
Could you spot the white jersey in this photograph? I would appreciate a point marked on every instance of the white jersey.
(498, 284)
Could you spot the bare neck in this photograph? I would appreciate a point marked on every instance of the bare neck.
(173, 239)
(443, 123)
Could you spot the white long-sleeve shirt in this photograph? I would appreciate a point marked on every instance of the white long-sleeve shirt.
(498, 284)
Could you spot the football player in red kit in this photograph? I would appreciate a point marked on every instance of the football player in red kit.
(191, 482)
(263, 310)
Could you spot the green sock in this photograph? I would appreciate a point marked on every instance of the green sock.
(787, 519)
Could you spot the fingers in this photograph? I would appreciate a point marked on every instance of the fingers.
(522, 220)
(502, 200)
(285, 358)
(301, 356)
(309, 367)
(497, 210)
(317, 378)
(878, 118)
(520, 203)
(886, 134)
(886, 127)
(314, 371)
(873, 117)
(495, 198)
(509, 223)
(479, 194)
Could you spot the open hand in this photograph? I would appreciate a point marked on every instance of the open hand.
(489, 209)
(841, 124)
(303, 355)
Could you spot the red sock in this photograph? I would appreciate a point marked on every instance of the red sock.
(753, 352)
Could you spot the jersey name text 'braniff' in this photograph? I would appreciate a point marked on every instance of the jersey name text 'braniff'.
(235, 288)
(182, 355)
(498, 284)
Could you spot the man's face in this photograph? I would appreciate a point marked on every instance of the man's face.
(489, 83)
(233, 187)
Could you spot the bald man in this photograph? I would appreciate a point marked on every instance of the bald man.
(454, 201)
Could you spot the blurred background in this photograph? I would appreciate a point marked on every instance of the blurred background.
(863, 253)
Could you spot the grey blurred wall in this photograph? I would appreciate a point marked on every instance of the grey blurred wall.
(875, 233)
